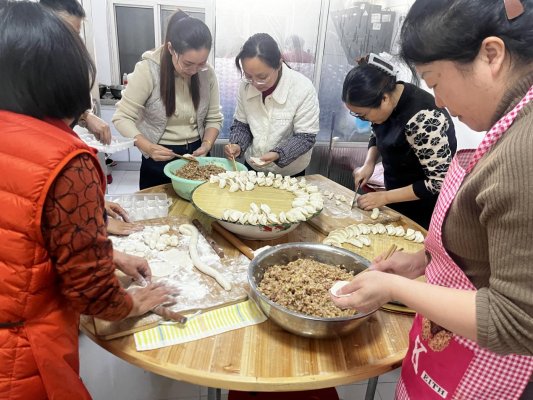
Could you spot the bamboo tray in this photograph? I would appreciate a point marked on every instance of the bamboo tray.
(381, 243)
(212, 200)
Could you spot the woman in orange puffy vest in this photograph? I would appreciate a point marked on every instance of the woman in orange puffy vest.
(55, 259)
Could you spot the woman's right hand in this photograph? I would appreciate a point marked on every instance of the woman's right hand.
(408, 265)
(362, 174)
(149, 297)
(232, 150)
(154, 151)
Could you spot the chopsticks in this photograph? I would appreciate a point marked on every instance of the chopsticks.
(393, 249)
(355, 195)
(233, 160)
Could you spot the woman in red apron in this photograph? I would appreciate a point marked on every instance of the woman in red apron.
(473, 335)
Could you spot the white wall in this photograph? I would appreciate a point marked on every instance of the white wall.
(466, 138)
(100, 31)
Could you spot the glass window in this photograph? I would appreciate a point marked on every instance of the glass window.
(135, 34)
(296, 33)
(351, 32)
(167, 11)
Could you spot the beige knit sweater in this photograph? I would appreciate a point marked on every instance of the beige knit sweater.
(489, 233)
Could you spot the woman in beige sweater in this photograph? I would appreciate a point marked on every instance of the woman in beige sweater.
(473, 334)
(172, 103)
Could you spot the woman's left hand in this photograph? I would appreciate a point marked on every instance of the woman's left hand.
(114, 210)
(369, 291)
(133, 266)
(202, 150)
(118, 227)
(372, 200)
(269, 157)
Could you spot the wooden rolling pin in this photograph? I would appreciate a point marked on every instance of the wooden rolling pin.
(230, 237)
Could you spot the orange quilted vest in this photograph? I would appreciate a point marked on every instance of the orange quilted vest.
(38, 329)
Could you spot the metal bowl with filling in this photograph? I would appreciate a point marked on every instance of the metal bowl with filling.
(296, 322)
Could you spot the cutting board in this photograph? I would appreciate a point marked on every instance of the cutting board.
(335, 216)
(194, 290)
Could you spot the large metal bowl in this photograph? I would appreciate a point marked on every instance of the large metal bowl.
(298, 323)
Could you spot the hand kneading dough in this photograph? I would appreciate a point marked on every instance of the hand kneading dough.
(198, 263)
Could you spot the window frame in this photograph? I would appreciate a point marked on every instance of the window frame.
(205, 6)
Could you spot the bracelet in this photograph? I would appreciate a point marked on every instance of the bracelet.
(209, 142)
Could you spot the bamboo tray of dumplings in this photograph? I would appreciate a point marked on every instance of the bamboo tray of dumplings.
(212, 200)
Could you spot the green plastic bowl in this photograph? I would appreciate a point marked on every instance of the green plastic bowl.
(184, 187)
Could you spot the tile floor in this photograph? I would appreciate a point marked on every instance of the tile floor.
(108, 377)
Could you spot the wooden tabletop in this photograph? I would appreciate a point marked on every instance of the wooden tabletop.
(264, 357)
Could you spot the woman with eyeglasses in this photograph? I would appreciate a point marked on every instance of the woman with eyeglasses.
(415, 139)
(472, 337)
(172, 104)
(276, 119)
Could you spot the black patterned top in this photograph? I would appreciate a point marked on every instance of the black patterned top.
(416, 143)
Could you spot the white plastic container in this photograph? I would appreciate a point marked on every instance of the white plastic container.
(117, 143)
(142, 206)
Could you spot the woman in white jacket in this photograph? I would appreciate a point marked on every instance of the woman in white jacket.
(277, 116)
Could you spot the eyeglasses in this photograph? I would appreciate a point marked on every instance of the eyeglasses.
(190, 68)
(258, 82)
(362, 117)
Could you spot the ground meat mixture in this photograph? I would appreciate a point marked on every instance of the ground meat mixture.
(303, 286)
(196, 172)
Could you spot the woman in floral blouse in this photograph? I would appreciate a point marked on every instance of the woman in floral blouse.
(415, 139)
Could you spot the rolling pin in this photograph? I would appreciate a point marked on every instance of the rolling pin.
(230, 237)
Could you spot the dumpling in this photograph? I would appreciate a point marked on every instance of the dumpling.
(255, 208)
(298, 202)
(375, 213)
(249, 186)
(214, 179)
(222, 183)
(234, 187)
(265, 208)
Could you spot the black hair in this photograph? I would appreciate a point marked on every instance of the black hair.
(45, 70)
(71, 7)
(262, 46)
(454, 30)
(365, 85)
(184, 33)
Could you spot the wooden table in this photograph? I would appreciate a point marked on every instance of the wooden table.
(264, 357)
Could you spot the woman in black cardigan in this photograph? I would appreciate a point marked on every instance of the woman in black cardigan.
(415, 139)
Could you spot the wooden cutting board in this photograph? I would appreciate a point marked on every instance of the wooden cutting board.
(211, 296)
(335, 216)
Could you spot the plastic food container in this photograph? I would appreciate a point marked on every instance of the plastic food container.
(117, 143)
(142, 206)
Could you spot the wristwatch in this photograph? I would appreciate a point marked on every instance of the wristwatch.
(82, 121)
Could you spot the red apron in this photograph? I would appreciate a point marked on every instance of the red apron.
(439, 364)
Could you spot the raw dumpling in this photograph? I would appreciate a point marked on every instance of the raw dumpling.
(375, 213)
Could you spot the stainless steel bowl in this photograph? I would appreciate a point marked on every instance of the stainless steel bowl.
(297, 323)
